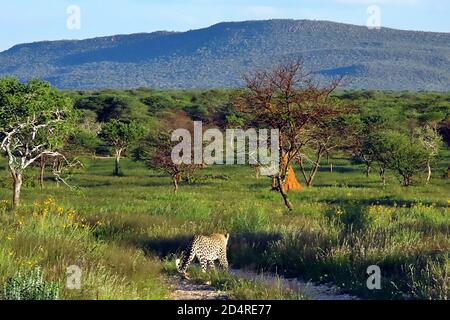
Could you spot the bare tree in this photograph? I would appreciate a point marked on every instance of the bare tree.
(331, 131)
(159, 157)
(286, 98)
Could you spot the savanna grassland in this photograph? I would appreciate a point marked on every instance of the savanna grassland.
(123, 232)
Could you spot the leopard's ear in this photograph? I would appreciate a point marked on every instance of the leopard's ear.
(227, 236)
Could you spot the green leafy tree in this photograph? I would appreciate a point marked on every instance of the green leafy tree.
(106, 106)
(432, 119)
(444, 131)
(366, 130)
(378, 148)
(403, 154)
(35, 120)
(431, 141)
(83, 140)
(119, 136)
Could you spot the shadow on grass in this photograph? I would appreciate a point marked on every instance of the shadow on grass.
(239, 246)
(383, 201)
(365, 185)
(168, 184)
(337, 169)
(92, 184)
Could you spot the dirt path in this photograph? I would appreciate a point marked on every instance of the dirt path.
(308, 289)
(186, 290)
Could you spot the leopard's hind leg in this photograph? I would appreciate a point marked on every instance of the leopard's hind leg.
(203, 264)
(211, 265)
(187, 260)
(223, 260)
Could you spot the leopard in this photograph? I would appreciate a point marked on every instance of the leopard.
(207, 249)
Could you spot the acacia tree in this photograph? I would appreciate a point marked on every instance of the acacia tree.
(432, 142)
(159, 156)
(286, 98)
(34, 121)
(78, 142)
(378, 148)
(403, 154)
(119, 136)
(332, 131)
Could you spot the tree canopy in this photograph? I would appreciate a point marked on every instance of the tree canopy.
(35, 120)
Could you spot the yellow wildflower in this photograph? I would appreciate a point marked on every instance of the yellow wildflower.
(49, 202)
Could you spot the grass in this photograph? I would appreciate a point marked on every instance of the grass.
(121, 230)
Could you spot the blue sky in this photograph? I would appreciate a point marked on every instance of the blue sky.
(30, 20)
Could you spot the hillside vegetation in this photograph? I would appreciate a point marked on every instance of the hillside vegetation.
(218, 55)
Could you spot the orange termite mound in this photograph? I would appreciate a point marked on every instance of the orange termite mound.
(291, 182)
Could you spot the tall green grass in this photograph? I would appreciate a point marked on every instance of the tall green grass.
(125, 226)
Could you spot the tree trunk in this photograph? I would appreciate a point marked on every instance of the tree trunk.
(313, 173)
(176, 181)
(117, 162)
(283, 193)
(257, 171)
(406, 181)
(382, 175)
(57, 168)
(368, 169)
(17, 187)
(42, 171)
(329, 162)
(274, 184)
(302, 170)
(309, 179)
(429, 171)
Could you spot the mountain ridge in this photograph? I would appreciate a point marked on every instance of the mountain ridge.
(216, 56)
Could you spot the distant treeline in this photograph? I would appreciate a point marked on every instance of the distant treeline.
(155, 109)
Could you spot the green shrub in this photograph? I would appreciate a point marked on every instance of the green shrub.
(352, 217)
(250, 220)
(30, 285)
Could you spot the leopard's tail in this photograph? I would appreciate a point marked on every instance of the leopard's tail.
(183, 264)
(177, 263)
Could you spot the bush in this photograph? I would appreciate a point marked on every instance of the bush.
(251, 220)
(406, 156)
(30, 285)
(353, 217)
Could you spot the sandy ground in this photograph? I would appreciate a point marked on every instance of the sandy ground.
(308, 289)
(186, 290)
